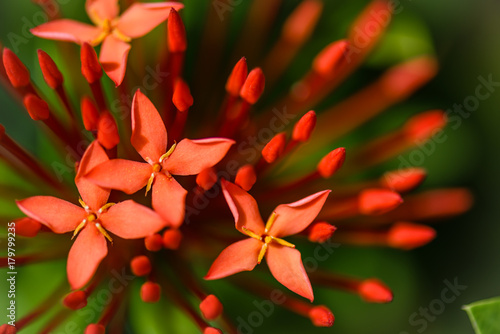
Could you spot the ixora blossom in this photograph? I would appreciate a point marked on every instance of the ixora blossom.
(266, 240)
(91, 222)
(149, 138)
(254, 149)
(113, 31)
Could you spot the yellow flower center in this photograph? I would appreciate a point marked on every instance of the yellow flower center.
(108, 27)
(157, 167)
(93, 217)
(267, 239)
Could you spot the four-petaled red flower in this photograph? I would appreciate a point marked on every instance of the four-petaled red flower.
(149, 138)
(112, 30)
(90, 224)
(282, 258)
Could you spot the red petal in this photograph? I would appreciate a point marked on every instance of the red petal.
(27, 227)
(130, 220)
(286, 266)
(295, 217)
(141, 18)
(67, 30)
(190, 157)
(206, 178)
(58, 215)
(124, 175)
(93, 195)
(240, 256)
(246, 177)
(169, 199)
(113, 57)
(100, 10)
(84, 257)
(244, 208)
(149, 135)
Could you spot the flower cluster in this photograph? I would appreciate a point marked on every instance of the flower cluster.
(159, 204)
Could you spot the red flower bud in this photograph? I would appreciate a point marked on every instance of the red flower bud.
(374, 291)
(150, 292)
(207, 178)
(304, 127)
(140, 265)
(107, 130)
(177, 41)
(274, 148)
(18, 74)
(182, 97)
(95, 329)
(423, 126)
(212, 330)
(51, 73)
(8, 329)
(75, 300)
(172, 239)
(253, 87)
(403, 180)
(378, 201)
(90, 114)
(211, 307)
(300, 24)
(408, 236)
(37, 108)
(237, 77)
(331, 162)
(153, 242)
(320, 231)
(91, 68)
(321, 316)
(330, 57)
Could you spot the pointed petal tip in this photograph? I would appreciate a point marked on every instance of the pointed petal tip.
(304, 127)
(177, 41)
(91, 68)
(275, 148)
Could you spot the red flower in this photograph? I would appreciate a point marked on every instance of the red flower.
(266, 240)
(90, 224)
(112, 30)
(149, 138)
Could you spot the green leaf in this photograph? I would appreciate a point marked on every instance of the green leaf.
(485, 315)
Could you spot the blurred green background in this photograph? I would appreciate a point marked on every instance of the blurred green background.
(465, 36)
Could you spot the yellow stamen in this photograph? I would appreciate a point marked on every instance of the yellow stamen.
(118, 34)
(79, 228)
(251, 234)
(281, 242)
(150, 183)
(105, 207)
(263, 251)
(103, 231)
(94, 17)
(82, 203)
(169, 152)
(270, 222)
(98, 40)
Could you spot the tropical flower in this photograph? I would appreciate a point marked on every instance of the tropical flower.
(113, 31)
(255, 148)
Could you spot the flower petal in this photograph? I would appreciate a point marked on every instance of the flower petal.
(244, 208)
(93, 195)
(190, 157)
(295, 217)
(58, 215)
(113, 57)
(141, 18)
(130, 220)
(100, 10)
(240, 256)
(286, 266)
(120, 174)
(169, 199)
(149, 135)
(67, 30)
(84, 257)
